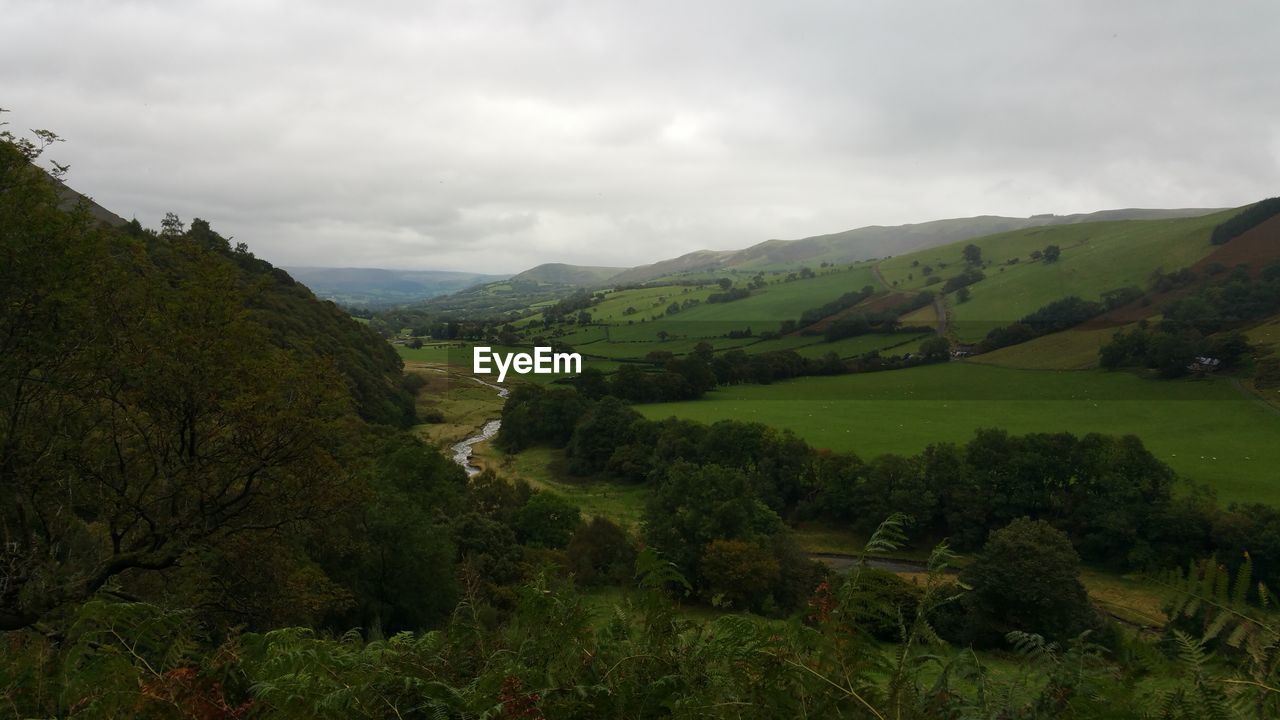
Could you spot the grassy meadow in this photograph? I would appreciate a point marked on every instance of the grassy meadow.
(543, 468)
(1206, 430)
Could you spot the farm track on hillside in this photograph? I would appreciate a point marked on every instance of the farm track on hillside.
(939, 307)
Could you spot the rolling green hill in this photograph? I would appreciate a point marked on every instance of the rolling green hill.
(574, 275)
(870, 242)
(1096, 257)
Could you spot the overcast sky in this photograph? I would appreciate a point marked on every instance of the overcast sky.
(494, 136)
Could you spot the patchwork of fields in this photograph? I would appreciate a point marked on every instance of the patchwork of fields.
(1096, 257)
(1206, 430)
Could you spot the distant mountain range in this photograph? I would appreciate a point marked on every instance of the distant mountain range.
(377, 286)
(382, 287)
(372, 286)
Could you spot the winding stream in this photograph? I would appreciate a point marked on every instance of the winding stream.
(462, 451)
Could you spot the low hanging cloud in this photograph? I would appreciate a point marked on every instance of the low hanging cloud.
(493, 136)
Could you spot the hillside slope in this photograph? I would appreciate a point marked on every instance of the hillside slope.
(1095, 257)
(562, 274)
(874, 241)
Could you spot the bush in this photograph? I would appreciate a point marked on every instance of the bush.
(739, 573)
(880, 599)
(935, 349)
(964, 279)
(600, 552)
(547, 520)
(1026, 578)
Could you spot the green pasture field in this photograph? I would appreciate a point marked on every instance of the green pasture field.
(892, 344)
(439, 353)
(1066, 350)
(1207, 430)
(543, 469)
(1267, 334)
(638, 349)
(1096, 257)
(780, 301)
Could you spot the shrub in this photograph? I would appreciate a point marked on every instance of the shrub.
(600, 552)
(739, 573)
(547, 520)
(1027, 578)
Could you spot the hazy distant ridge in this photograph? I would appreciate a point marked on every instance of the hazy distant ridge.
(378, 286)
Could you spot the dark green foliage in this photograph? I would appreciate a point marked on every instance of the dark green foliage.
(1051, 253)
(1120, 297)
(487, 549)
(547, 520)
(1005, 336)
(1061, 314)
(729, 295)
(402, 565)
(1199, 325)
(182, 424)
(695, 505)
(882, 599)
(1246, 220)
(1026, 578)
(1056, 316)
(598, 434)
(844, 302)
(1211, 609)
(964, 279)
(1172, 354)
(935, 349)
(534, 414)
(972, 254)
(601, 553)
(147, 409)
(299, 322)
(738, 573)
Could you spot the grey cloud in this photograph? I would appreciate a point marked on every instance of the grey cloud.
(496, 135)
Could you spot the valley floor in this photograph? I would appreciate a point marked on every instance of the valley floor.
(1206, 430)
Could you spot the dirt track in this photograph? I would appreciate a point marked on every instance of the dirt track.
(939, 307)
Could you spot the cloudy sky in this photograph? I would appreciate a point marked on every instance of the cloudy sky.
(493, 136)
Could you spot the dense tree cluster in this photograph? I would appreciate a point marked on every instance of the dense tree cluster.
(182, 422)
(1201, 325)
(967, 277)
(1026, 578)
(1246, 220)
(1055, 317)
(1113, 499)
(844, 302)
(738, 293)
(669, 378)
(883, 321)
